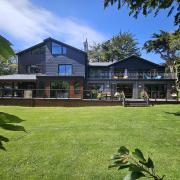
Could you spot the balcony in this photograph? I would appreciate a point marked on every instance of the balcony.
(132, 76)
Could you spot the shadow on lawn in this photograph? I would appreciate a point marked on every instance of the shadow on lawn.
(8, 122)
(173, 113)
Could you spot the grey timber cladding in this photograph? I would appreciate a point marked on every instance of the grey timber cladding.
(76, 58)
(49, 63)
(30, 58)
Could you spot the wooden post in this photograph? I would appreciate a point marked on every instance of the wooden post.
(166, 92)
(12, 89)
(47, 89)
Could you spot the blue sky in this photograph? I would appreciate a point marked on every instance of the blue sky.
(26, 22)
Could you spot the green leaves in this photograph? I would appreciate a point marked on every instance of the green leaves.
(7, 123)
(135, 162)
(5, 49)
(123, 150)
(3, 139)
(139, 155)
(149, 163)
(118, 47)
(137, 7)
(134, 176)
(12, 127)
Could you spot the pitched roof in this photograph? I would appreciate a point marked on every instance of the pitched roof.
(30, 48)
(52, 39)
(44, 42)
(110, 63)
(28, 77)
(134, 56)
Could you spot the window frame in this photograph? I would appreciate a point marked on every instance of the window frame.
(33, 69)
(65, 74)
(53, 44)
(63, 49)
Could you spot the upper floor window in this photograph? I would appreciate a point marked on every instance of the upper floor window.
(65, 69)
(33, 69)
(58, 49)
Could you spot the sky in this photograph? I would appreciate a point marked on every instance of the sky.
(28, 22)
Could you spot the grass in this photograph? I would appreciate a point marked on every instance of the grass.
(77, 143)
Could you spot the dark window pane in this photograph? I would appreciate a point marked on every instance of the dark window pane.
(60, 89)
(33, 69)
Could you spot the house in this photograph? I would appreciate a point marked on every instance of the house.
(53, 69)
(131, 75)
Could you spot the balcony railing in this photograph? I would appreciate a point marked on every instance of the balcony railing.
(110, 95)
(132, 75)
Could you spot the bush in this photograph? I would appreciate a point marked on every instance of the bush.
(94, 94)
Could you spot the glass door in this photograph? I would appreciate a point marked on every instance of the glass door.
(60, 89)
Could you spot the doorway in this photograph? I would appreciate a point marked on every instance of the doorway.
(156, 90)
(60, 89)
(127, 88)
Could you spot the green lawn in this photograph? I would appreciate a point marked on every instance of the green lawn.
(77, 143)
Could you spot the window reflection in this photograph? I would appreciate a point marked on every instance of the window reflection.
(65, 69)
(58, 49)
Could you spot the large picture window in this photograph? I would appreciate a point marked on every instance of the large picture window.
(58, 49)
(77, 88)
(65, 69)
(33, 69)
(60, 89)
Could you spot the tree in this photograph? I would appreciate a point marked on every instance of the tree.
(9, 67)
(7, 55)
(118, 47)
(147, 6)
(95, 52)
(168, 46)
(5, 49)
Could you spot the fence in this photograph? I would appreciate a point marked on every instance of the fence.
(85, 94)
(132, 75)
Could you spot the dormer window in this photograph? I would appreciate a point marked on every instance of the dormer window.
(58, 49)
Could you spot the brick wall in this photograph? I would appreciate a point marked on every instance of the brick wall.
(65, 102)
(56, 102)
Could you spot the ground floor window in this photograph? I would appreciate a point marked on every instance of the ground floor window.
(77, 88)
(156, 90)
(7, 90)
(94, 89)
(126, 88)
(96, 86)
(60, 89)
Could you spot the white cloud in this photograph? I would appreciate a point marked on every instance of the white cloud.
(30, 24)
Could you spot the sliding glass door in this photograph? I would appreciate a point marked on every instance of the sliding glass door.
(60, 89)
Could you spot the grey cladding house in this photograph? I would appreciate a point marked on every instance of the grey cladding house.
(53, 69)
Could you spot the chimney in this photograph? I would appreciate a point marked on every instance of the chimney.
(86, 46)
